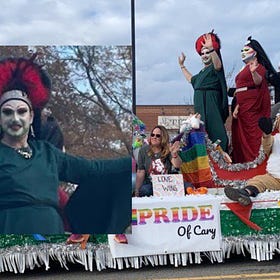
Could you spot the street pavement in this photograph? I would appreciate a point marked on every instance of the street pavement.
(237, 268)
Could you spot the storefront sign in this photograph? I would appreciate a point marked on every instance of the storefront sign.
(171, 122)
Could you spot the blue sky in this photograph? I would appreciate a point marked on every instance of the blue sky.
(65, 22)
(164, 28)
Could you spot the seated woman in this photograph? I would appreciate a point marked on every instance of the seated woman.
(157, 157)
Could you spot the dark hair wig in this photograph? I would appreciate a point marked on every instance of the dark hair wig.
(263, 59)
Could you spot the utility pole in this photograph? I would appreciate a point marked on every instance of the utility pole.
(133, 56)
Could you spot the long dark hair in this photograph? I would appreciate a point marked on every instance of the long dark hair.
(263, 59)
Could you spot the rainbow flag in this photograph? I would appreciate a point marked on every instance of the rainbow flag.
(195, 167)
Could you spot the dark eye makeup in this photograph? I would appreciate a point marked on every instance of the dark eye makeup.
(8, 111)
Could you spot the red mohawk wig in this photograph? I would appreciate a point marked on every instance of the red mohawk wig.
(25, 75)
(215, 40)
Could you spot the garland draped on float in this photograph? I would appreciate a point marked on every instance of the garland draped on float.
(216, 157)
(17, 258)
(19, 253)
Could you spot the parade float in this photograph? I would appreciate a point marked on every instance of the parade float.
(195, 227)
(176, 230)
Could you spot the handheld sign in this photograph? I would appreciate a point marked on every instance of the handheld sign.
(168, 185)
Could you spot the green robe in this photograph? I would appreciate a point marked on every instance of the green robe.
(211, 102)
(29, 189)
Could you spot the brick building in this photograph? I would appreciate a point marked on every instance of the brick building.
(170, 116)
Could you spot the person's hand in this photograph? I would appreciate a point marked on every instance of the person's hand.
(253, 65)
(181, 59)
(207, 41)
(265, 124)
(174, 148)
(235, 112)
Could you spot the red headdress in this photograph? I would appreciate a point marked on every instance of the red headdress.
(215, 40)
(21, 74)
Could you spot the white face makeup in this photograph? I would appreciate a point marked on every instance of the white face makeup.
(247, 53)
(205, 56)
(15, 118)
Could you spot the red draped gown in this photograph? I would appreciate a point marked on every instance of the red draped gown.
(253, 104)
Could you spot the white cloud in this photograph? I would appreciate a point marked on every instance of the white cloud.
(53, 22)
(164, 28)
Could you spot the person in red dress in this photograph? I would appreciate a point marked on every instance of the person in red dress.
(252, 101)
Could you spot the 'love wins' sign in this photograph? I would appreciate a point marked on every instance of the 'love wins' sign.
(168, 185)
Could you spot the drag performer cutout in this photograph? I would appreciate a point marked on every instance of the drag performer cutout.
(210, 90)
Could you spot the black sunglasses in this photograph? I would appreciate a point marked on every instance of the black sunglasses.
(157, 135)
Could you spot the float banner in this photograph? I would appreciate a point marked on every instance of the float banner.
(166, 225)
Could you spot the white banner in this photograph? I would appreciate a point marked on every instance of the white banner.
(169, 225)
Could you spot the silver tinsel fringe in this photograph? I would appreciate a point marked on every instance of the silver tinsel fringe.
(17, 259)
(218, 158)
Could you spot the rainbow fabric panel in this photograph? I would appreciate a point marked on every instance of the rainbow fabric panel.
(195, 167)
